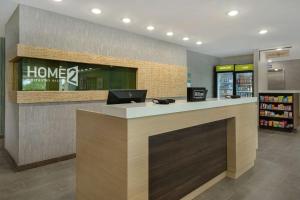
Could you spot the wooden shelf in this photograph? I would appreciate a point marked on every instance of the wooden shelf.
(269, 102)
(60, 96)
(277, 128)
(277, 118)
(275, 110)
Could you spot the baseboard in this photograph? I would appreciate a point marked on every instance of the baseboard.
(40, 163)
(12, 161)
(237, 174)
(205, 187)
(45, 162)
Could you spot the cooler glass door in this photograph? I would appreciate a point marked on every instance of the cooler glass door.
(225, 84)
(244, 84)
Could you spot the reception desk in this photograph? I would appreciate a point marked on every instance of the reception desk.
(162, 152)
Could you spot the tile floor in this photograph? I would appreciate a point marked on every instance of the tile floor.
(276, 176)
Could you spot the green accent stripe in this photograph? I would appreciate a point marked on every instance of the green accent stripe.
(2, 85)
(224, 68)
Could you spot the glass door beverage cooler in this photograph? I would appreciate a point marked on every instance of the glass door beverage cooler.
(224, 80)
(244, 80)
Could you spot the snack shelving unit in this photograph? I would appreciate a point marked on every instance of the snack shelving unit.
(278, 111)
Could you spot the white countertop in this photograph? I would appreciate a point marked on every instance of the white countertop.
(281, 91)
(136, 110)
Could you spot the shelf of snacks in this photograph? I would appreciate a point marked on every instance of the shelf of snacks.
(277, 111)
(276, 124)
(275, 107)
(276, 114)
(276, 99)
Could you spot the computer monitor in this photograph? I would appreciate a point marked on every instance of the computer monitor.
(126, 96)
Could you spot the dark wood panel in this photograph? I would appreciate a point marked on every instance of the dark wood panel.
(37, 164)
(181, 161)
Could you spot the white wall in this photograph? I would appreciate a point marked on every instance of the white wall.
(201, 68)
(240, 59)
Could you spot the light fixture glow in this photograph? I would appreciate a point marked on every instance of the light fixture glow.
(96, 11)
(126, 20)
(170, 34)
(269, 61)
(279, 49)
(233, 13)
(264, 31)
(185, 39)
(150, 28)
(57, 0)
(199, 43)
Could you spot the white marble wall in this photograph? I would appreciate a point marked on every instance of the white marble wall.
(48, 29)
(11, 109)
(48, 130)
(43, 131)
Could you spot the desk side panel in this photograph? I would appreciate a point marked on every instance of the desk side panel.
(101, 163)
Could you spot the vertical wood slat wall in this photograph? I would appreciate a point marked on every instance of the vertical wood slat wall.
(2, 85)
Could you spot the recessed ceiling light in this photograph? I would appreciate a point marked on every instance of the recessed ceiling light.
(279, 49)
(199, 43)
(126, 20)
(264, 31)
(233, 13)
(269, 61)
(170, 33)
(150, 28)
(185, 39)
(57, 0)
(96, 11)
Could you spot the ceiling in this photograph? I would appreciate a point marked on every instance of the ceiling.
(204, 20)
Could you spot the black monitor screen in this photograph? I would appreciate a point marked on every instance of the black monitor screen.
(126, 96)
